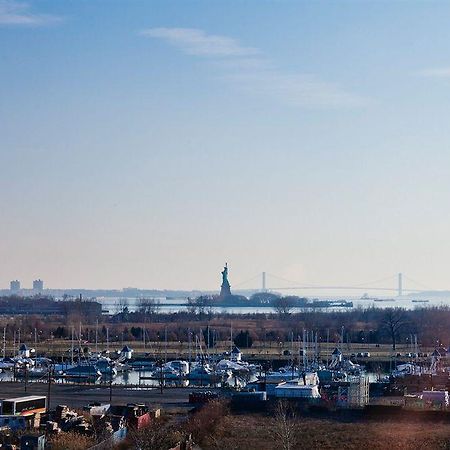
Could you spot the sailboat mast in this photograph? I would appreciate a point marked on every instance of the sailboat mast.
(189, 347)
(231, 337)
(304, 349)
(79, 337)
(292, 347)
(71, 348)
(35, 345)
(165, 344)
(328, 348)
(96, 337)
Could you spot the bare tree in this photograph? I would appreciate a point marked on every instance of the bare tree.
(71, 441)
(158, 435)
(283, 305)
(393, 322)
(283, 427)
(148, 306)
(122, 305)
(201, 305)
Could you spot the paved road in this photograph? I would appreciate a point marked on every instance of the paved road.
(172, 399)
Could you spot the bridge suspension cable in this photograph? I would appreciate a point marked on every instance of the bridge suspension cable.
(390, 278)
(296, 283)
(417, 283)
(367, 284)
(247, 281)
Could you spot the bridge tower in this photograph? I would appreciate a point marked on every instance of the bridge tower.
(264, 281)
(400, 285)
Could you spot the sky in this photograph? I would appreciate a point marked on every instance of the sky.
(146, 143)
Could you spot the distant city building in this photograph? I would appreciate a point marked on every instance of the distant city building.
(14, 286)
(38, 285)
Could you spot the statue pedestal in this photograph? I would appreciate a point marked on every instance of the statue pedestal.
(225, 290)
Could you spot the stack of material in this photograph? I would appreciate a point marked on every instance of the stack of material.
(52, 428)
(97, 409)
(61, 412)
(102, 425)
(436, 398)
(413, 401)
(155, 413)
(36, 421)
(440, 381)
(136, 415)
(70, 420)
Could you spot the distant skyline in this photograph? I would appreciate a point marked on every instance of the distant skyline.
(145, 143)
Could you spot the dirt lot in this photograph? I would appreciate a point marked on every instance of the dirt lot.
(258, 432)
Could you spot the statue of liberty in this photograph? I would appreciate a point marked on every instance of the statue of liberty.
(225, 287)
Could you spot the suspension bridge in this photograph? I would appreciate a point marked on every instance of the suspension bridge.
(393, 283)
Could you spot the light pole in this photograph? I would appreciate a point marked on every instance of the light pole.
(50, 370)
(160, 364)
(26, 376)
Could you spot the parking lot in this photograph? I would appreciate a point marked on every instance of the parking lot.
(77, 396)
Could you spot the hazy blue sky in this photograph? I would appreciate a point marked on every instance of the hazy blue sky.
(145, 143)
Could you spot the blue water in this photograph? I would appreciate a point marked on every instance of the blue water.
(125, 378)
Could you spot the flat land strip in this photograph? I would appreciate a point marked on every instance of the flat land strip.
(259, 350)
(77, 396)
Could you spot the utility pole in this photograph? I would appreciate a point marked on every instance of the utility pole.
(264, 281)
(110, 380)
(50, 370)
(26, 376)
